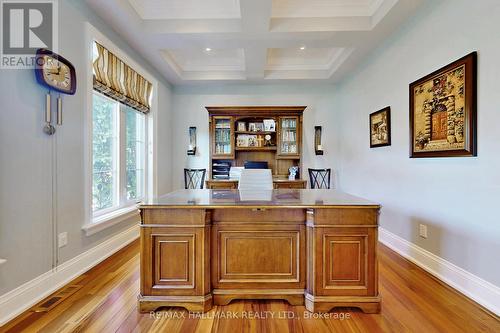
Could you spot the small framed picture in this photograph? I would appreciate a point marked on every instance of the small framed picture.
(252, 141)
(252, 127)
(269, 125)
(242, 126)
(242, 140)
(259, 127)
(380, 128)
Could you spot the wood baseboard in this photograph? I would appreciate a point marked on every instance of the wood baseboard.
(30, 293)
(480, 291)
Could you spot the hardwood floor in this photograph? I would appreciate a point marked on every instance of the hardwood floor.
(106, 301)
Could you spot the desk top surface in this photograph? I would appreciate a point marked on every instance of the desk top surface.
(290, 198)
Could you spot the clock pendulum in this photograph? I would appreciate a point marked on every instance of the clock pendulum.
(59, 110)
(48, 129)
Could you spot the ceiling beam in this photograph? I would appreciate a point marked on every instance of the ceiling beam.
(255, 19)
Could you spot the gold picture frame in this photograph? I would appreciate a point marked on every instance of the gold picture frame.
(443, 111)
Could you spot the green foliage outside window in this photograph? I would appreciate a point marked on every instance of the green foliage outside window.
(104, 137)
(105, 117)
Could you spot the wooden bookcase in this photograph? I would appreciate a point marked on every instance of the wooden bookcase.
(284, 151)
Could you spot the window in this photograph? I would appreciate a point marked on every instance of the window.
(118, 155)
(135, 153)
(120, 124)
(105, 162)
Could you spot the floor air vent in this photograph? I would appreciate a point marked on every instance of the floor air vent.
(50, 302)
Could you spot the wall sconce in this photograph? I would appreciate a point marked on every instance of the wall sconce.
(318, 147)
(192, 141)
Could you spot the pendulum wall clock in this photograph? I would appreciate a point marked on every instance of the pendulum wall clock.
(57, 74)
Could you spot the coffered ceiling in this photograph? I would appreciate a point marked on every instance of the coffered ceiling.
(258, 41)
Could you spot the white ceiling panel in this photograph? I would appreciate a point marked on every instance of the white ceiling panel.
(254, 41)
(324, 8)
(295, 58)
(198, 60)
(186, 9)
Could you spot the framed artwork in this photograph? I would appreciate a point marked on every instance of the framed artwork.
(269, 125)
(252, 141)
(242, 140)
(252, 127)
(242, 126)
(259, 127)
(380, 128)
(443, 111)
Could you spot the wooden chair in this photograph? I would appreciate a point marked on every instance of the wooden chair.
(194, 178)
(319, 178)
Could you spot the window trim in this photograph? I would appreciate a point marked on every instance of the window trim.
(93, 224)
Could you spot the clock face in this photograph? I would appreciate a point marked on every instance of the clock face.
(56, 73)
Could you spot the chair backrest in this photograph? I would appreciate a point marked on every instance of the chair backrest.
(319, 178)
(256, 179)
(194, 178)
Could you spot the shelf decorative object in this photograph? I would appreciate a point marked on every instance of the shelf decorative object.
(192, 141)
(267, 140)
(293, 172)
(318, 147)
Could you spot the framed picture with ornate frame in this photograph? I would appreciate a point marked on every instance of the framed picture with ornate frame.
(380, 128)
(443, 111)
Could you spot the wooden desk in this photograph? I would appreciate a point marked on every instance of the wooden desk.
(204, 247)
(216, 184)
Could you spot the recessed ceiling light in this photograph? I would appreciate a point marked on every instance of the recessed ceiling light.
(208, 49)
(302, 47)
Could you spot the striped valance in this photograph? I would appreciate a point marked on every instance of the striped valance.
(117, 80)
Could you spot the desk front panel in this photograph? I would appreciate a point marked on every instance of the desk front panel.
(325, 256)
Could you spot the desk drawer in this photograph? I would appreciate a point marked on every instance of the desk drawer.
(220, 185)
(290, 184)
(259, 215)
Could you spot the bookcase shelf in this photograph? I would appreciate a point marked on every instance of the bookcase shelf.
(256, 148)
(286, 139)
(256, 133)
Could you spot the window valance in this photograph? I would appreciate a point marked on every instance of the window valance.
(117, 80)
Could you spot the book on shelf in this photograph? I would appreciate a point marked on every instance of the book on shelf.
(222, 136)
(289, 136)
(223, 124)
(222, 148)
(289, 123)
(289, 148)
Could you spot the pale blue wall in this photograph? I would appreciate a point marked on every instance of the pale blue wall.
(26, 163)
(455, 197)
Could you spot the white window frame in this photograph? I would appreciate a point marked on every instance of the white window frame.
(109, 217)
